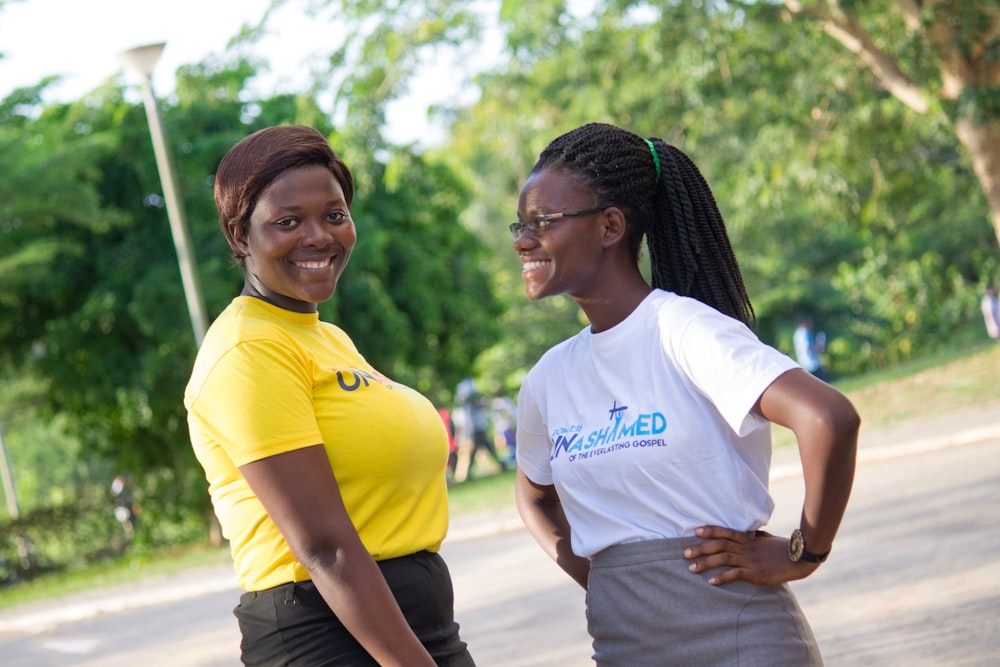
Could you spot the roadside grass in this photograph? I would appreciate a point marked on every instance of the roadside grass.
(930, 386)
(933, 385)
(133, 567)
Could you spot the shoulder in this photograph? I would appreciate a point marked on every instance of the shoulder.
(681, 317)
(564, 349)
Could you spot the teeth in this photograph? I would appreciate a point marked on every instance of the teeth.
(528, 266)
(321, 264)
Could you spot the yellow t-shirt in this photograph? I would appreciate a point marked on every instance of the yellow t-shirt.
(267, 381)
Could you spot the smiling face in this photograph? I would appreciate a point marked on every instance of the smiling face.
(566, 256)
(299, 239)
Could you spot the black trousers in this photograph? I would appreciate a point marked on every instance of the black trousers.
(293, 625)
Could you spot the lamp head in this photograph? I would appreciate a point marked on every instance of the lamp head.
(142, 59)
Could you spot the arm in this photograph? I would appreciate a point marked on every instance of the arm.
(543, 516)
(826, 426)
(292, 487)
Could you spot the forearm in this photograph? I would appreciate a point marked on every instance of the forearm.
(829, 453)
(545, 521)
(354, 588)
(291, 486)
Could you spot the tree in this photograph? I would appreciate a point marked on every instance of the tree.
(95, 305)
(930, 54)
(832, 192)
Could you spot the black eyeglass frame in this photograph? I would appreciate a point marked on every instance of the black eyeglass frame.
(540, 222)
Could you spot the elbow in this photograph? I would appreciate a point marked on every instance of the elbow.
(842, 424)
(832, 426)
(849, 421)
(318, 554)
(316, 558)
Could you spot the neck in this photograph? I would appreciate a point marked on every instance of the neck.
(614, 305)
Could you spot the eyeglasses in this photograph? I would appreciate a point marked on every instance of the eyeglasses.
(540, 222)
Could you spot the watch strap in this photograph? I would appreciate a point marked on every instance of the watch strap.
(810, 557)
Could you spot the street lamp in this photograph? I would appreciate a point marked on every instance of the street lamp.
(142, 60)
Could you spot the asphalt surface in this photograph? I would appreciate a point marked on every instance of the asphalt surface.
(956, 429)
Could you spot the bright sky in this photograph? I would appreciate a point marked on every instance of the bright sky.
(81, 39)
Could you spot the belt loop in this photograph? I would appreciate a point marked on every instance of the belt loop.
(290, 596)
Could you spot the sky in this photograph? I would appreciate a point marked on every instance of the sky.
(81, 39)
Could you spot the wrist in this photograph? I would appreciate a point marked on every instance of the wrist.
(798, 549)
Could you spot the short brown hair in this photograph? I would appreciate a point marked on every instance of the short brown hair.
(257, 160)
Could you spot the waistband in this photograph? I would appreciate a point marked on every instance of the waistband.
(630, 553)
(288, 588)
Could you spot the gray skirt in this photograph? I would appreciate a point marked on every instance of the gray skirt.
(645, 608)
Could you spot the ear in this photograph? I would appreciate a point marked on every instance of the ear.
(236, 237)
(614, 226)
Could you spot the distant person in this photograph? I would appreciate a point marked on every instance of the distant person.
(504, 418)
(449, 425)
(991, 312)
(644, 441)
(473, 432)
(328, 477)
(808, 347)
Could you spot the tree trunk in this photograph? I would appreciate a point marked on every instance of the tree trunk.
(964, 37)
(983, 143)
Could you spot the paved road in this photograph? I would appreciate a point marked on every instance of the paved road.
(914, 580)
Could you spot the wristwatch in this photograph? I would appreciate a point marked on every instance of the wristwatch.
(797, 549)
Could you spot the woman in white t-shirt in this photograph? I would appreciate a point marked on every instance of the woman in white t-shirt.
(644, 440)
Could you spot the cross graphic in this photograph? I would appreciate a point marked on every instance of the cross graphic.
(615, 410)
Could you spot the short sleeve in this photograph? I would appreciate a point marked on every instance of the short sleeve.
(730, 366)
(257, 402)
(533, 444)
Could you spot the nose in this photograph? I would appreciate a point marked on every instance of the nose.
(524, 240)
(317, 233)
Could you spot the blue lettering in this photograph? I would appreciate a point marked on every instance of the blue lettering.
(344, 385)
(562, 444)
(625, 430)
(659, 423)
(357, 376)
(642, 425)
(365, 376)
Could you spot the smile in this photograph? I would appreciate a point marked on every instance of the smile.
(315, 264)
(528, 266)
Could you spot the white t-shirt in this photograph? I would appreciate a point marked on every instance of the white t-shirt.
(805, 348)
(991, 315)
(646, 429)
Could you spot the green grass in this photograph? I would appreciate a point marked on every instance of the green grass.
(930, 386)
(933, 385)
(482, 493)
(133, 567)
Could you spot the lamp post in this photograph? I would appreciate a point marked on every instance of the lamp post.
(142, 60)
(7, 479)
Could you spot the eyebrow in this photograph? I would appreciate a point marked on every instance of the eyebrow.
(298, 207)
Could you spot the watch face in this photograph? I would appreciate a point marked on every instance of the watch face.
(796, 545)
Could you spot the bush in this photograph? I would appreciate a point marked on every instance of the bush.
(67, 536)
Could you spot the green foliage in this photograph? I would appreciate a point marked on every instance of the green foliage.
(57, 537)
(421, 274)
(93, 309)
(841, 203)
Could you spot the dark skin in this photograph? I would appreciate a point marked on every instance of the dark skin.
(299, 239)
(291, 486)
(826, 428)
(590, 261)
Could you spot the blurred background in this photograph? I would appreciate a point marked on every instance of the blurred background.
(853, 148)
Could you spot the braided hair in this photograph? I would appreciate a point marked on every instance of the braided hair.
(666, 199)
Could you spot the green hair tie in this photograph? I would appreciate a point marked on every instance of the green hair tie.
(656, 158)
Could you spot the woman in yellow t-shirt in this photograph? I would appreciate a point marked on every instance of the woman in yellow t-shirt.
(327, 476)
